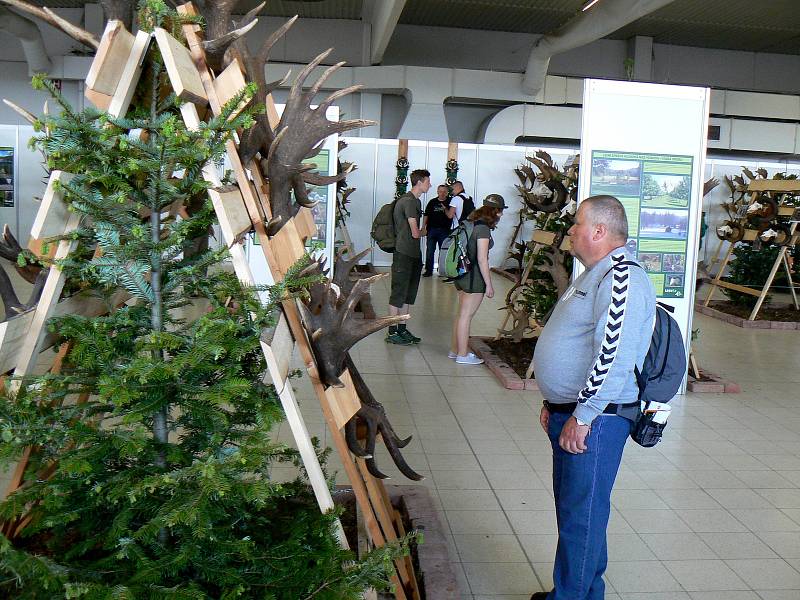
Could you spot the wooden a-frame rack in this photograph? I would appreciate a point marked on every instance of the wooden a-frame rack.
(245, 207)
(755, 188)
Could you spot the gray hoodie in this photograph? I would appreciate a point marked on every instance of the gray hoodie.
(599, 330)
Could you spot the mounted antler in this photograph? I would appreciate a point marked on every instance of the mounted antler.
(342, 270)
(220, 31)
(48, 16)
(300, 131)
(10, 250)
(334, 330)
(373, 415)
(11, 301)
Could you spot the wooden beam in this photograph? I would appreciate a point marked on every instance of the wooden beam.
(737, 288)
(343, 401)
(402, 149)
(53, 214)
(131, 72)
(231, 212)
(183, 74)
(452, 151)
(544, 237)
(229, 83)
(109, 60)
(774, 185)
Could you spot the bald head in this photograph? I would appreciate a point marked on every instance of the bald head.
(608, 211)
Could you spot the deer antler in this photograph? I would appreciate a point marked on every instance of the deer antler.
(373, 414)
(306, 129)
(219, 34)
(48, 16)
(334, 329)
(342, 270)
(11, 301)
(10, 250)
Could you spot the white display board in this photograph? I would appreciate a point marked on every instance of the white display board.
(324, 212)
(646, 144)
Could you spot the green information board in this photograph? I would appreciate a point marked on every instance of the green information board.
(655, 190)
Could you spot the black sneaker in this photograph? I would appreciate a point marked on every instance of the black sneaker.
(397, 338)
(409, 336)
(427, 274)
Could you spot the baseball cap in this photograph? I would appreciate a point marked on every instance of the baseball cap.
(495, 200)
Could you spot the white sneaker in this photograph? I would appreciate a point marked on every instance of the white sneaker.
(469, 359)
(454, 355)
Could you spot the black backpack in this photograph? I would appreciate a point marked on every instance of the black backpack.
(467, 208)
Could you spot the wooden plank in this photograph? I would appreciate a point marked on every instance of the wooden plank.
(566, 244)
(229, 83)
(110, 58)
(131, 73)
(750, 235)
(53, 214)
(774, 185)
(786, 211)
(183, 74)
(287, 247)
(278, 345)
(343, 401)
(738, 288)
(544, 237)
(452, 151)
(14, 332)
(99, 100)
(718, 277)
(231, 212)
(304, 221)
(402, 149)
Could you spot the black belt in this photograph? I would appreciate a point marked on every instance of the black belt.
(568, 407)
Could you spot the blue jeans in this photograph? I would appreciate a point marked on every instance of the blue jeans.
(582, 486)
(435, 238)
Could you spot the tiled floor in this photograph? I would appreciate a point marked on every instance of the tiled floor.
(712, 514)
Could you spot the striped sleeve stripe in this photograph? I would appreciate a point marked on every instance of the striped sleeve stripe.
(613, 330)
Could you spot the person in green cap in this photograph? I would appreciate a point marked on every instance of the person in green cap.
(476, 283)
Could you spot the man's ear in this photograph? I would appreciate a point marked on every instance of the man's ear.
(600, 231)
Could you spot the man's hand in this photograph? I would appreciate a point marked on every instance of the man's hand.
(424, 231)
(544, 418)
(573, 437)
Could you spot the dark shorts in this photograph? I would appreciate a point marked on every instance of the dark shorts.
(471, 283)
(406, 272)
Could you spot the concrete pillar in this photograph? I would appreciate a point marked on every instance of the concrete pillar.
(640, 50)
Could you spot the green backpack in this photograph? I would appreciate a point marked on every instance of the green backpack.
(457, 262)
(383, 227)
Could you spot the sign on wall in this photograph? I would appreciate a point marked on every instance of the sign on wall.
(655, 190)
(6, 177)
(646, 144)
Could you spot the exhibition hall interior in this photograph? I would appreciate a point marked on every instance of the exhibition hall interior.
(400, 299)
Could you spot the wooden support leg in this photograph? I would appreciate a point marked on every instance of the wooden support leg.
(718, 278)
(778, 260)
(791, 281)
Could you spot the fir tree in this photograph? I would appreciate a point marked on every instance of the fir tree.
(150, 477)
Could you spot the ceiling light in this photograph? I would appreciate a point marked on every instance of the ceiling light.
(590, 4)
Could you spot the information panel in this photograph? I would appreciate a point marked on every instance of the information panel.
(655, 190)
(645, 144)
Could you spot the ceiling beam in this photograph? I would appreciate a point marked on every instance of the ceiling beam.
(602, 19)
(382, 16)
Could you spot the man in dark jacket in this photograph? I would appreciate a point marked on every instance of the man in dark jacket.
(437, 224)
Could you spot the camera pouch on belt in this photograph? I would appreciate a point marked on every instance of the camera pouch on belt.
(650, 425)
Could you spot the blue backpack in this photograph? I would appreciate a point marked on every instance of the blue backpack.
(662, 373)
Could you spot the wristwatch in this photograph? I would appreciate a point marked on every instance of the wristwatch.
(579, 422)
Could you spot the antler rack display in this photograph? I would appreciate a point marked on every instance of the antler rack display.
(278, 144)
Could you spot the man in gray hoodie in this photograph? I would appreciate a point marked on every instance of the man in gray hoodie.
(584, 362)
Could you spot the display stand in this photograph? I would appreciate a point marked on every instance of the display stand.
(755, 188)
(282, 252)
